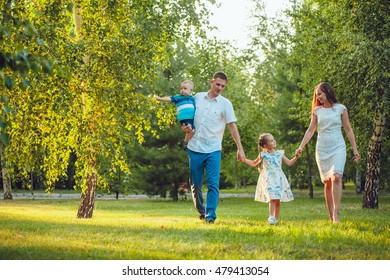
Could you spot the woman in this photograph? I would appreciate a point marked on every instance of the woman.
(328, 116)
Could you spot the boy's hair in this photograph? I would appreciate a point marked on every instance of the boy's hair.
(189, 82)
(221, 76)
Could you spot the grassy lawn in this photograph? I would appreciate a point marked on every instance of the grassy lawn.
(163, 229)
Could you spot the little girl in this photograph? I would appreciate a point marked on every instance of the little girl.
(272, 185)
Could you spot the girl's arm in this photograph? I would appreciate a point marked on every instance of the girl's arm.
(351, 136)
(308, 134)
(253, 162)
(164, 99)
(290, 162)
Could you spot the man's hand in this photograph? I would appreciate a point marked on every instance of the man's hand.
(241, 155)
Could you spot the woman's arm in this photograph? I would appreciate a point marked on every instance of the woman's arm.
(351, 136)
(308, 135)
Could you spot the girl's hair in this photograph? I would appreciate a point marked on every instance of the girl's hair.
(263, 139)
(329, 92)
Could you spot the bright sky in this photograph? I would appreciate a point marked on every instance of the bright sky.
(233, 18)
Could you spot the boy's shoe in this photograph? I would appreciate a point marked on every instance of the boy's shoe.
(272, 220)
(185, 144)
(202, 216)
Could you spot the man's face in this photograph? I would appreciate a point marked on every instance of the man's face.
(217, 86)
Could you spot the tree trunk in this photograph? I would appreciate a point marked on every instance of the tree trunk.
(370, 193)
(88, 197)
(310, 175)
(4, 171)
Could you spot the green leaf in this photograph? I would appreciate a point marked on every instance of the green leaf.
(46, 67)
(7, 109)
(4, 138)
(4, 98)
(69, 7)
(23, 85)
(9, 83)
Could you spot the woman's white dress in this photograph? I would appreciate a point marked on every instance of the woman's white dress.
(272, 183)
(330, 147)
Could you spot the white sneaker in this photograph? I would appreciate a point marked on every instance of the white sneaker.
(272, 220)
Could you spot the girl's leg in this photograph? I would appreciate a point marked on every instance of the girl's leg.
(336, 194)
(329, 197)
(272, 208)
(277, 209)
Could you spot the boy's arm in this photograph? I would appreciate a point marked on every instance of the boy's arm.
(289, 162)
(164, 99)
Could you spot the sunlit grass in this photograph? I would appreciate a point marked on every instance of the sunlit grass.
(162, 229)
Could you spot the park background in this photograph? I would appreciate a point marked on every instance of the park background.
(78, 82)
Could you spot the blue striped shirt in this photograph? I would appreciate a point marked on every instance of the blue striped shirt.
(185, 106)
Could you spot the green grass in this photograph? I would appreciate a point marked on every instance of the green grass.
(163, 229)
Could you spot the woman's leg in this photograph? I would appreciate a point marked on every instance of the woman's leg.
(329, 197)
(336, 194)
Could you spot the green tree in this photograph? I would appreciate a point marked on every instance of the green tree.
(347, 44)
(111, 48)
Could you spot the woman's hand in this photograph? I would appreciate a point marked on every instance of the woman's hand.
(298, 152)
(356, 156)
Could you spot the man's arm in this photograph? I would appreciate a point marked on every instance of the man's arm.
(236, 136)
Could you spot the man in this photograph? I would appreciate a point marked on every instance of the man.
(213, 112)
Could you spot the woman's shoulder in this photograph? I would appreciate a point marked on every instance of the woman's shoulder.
(317, 108)
(340, 107)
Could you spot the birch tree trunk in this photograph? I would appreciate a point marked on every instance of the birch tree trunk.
(87, 203)
(370, 193)
(4, 172)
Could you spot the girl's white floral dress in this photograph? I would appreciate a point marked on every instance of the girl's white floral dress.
(272, 183)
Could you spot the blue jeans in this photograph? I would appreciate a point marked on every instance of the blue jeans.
(200, 162)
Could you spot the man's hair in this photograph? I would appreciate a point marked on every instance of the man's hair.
(221, 76)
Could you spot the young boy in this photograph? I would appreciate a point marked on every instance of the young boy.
(185, 104)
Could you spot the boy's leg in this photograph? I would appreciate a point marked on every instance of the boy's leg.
(213, 165)
(189, 135)
(196, 180)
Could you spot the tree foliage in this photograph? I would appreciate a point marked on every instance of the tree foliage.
(341, 42)
(110, 48)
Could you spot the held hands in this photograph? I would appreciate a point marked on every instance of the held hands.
(241, 156)
(298, 152)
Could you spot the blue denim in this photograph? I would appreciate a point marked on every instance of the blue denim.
(211, 162)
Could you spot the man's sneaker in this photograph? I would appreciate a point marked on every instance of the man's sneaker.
(210, 221)
(202, 216)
